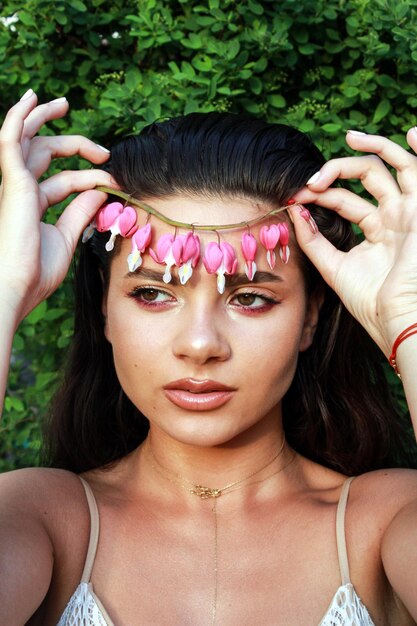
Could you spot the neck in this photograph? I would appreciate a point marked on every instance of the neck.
(238, 466)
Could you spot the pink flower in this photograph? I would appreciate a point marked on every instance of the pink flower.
(140, 241)
(118, 219)
(249, 247)
(284, 237)
(270, 236)
(306, 215)
(164, 254)
(190, 254)
(220, 259)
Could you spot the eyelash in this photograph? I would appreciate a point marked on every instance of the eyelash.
(138, 294)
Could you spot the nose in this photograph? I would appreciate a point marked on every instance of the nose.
(202, 337)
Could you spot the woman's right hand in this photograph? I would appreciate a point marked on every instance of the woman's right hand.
(34, 256)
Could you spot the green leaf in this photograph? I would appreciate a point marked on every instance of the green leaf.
(331, 128)
(202, 62)
(38, 313)
(276, 101)
(77, 5)
(381, 111)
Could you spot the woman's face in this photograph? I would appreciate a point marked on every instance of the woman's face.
(205, 367)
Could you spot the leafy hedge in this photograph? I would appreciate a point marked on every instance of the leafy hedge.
(322, 66)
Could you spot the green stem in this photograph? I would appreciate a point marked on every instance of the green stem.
(145, 207)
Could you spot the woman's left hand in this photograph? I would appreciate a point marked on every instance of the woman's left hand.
(377, 279)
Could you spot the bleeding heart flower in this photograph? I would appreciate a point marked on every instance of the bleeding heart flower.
(190, 255)
(269, 236)
(118, 219)
(306, 215)
(284, 237)
(249, 247)
(140, 241)
(164, 254)
(220, 259)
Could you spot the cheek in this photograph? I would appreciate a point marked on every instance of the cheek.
(137, 345)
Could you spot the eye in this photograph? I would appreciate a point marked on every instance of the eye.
(253, 301)
(150, 296)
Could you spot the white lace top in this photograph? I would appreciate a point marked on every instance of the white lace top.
(345, 609)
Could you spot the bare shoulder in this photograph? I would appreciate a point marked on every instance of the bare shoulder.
(383, 493)
(38, 490)
(390, 499)
(40, 508)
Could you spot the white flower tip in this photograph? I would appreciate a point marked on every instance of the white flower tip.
(185, 273)
(221, 281)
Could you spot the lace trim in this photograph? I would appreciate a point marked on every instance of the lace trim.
(346, 609)
(82, 609)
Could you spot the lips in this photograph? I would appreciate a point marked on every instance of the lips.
(198, 395)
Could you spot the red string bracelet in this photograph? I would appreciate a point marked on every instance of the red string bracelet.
(411, 330)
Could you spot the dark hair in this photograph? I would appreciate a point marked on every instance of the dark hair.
(338, 410)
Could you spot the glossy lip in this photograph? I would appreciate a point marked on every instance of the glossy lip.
(198, 386)
(198, 395)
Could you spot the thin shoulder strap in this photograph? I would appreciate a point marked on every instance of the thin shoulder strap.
(94, 532)
(340, 532)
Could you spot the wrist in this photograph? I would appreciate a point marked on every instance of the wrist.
(11, 308)
(403, 347)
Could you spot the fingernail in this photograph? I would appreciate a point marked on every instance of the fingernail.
(27, 95)
(307, 217)
(58, 100)
(313, 179)
(102, 148)
(356, 132)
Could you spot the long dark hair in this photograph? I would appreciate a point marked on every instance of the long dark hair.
(338, 410)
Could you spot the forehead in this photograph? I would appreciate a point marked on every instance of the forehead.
(196, 211)
(203, 210)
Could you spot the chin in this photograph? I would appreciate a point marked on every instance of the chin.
(204, 433)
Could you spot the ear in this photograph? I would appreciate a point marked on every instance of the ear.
(314, 304)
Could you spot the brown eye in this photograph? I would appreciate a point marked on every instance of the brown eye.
(150, 295)
(246, 299)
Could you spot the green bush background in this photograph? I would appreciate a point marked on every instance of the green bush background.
(322, 66)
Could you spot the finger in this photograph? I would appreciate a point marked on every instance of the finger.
(412, 138)
(326, 258)
(344, 202)
(78, 214)
(58, 187)
(403, 161)
(44, 113)
(370, 170)
(11, 156)
(44, 149)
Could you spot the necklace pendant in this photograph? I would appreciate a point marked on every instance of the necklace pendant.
(206, 492)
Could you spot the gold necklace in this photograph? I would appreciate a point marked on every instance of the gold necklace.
(205, 493)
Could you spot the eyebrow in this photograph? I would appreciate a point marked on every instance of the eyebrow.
(235, 280)
(153, 275)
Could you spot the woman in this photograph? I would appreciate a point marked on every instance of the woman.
(212, 517)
